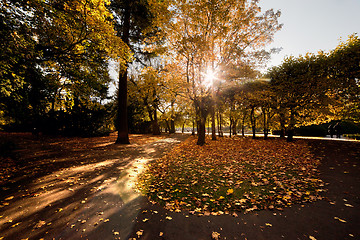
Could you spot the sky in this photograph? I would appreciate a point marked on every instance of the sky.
(312, 25)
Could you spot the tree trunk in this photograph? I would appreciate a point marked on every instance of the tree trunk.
(122, 116)
(253, 122)
(172, 126)
(155, 124)
(213, 130)
(291, 126)
(172, 121)
(193, 128)
(201, 121)
(201, 131)
(243, 126)
(234, 127)
(265, 125)
(282, 124)
(230, 128)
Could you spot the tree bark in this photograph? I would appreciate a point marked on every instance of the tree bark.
(282, 123)
(172, 126)
(193, 128)
(155, 124)
(201, 115)
(265, 124)
(291, 127)
(122, 116)
(253, 122)
(213, 130)
(243, 125)
(234, 127)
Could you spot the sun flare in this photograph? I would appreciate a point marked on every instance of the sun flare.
(209, 78)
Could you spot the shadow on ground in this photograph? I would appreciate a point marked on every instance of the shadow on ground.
(75, 188)
(89, 195)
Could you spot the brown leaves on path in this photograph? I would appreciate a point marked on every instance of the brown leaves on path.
(233, 174)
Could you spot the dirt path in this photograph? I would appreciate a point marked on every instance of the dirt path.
(86, 192)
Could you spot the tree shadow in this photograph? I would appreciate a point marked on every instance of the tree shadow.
(75, 197)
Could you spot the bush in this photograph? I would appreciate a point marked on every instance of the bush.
(312, 131)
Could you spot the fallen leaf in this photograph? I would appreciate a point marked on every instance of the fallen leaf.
(168, 217)
(230, 191)
(341, 220)
(139, 233)
(215, 235)
(40, 224)
(268, 224)
(16, 224)
(312, 238)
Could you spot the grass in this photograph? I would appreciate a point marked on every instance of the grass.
(233, 174)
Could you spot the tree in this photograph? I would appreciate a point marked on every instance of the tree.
(300, 84)
(212, 35)
(344, 74)
(60, 55)
(136, 21)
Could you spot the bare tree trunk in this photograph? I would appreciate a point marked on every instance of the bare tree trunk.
(172, 126)
(213, 131)
(122, 116)
(253, 122)
(282, 124)
(243, 125)
(265, 124)
(234, 127)
(201, 131)
(201, 115)
(193, 128)
(155, 124)
(291, 126)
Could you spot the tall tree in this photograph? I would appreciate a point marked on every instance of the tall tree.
(137, 21)
(210, 36)
(61, 50)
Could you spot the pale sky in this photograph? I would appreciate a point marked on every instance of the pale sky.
(312, 25)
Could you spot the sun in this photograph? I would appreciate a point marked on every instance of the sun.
(209, 78)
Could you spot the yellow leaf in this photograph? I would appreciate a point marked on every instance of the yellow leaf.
(341, 220)
(230, 191)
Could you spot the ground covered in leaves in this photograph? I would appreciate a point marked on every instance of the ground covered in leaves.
(233, 174)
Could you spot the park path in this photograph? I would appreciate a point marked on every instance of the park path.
(92, 200)
(95, 199)
(336, 217)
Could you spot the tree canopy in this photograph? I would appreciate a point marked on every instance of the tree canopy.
(182, 64)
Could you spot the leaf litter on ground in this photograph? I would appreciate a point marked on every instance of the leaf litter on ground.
(233, 174)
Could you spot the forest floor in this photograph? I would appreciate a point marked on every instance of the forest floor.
(84, 188)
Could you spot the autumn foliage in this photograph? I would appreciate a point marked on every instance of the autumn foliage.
(233, 174)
